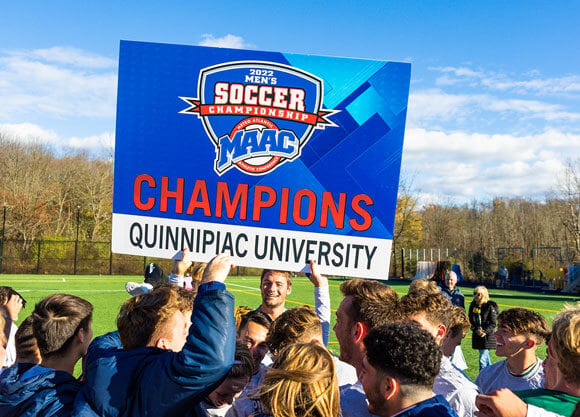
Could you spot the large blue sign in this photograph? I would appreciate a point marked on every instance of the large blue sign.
(273, 158)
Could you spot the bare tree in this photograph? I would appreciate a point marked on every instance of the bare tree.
(569, 192)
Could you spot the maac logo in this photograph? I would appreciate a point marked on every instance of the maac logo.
(258, 114)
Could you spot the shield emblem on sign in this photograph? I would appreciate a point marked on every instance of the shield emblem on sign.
(258, 114)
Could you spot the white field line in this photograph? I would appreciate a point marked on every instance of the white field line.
(243, 286)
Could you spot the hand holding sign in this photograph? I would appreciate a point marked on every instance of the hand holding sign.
(315, 277)
(218, 269)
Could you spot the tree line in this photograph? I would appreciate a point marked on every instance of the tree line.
(49, 197)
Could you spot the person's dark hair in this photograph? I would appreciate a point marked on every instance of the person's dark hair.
(373, 303)
(57, 319)
(299, 324)
(522, 321)
(25, 342)
(404, 351)
(257, 317)
(7, 292)
(437, 308)
(243, 366)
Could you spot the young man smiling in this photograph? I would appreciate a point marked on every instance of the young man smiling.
(518, 336)
(275, 286)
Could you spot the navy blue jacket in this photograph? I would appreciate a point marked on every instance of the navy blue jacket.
(154, 382)
(41, 392)
(455, 296)
(436, 406)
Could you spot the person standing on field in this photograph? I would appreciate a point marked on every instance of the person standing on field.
(483, 319)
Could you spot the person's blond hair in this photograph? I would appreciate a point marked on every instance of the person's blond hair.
(301, 383)
(565, 342)
(481, 289)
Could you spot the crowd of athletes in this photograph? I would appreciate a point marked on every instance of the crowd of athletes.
(182, 348)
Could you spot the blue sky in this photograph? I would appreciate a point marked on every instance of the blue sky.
(494, 108)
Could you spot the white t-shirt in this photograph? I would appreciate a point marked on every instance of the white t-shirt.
(11, 347)
(498, 376)
(458, 359)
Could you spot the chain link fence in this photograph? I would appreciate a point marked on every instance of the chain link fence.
(77, 257)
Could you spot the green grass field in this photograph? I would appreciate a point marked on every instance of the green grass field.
(107, 293)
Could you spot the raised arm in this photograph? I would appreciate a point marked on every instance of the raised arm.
(321, 299)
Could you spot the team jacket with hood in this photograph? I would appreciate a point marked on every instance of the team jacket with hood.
(154, 382)
(28, 389)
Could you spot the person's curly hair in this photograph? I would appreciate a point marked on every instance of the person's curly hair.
(299, 324)
(373, 302)
(523, 321)
(301, 383)
(405, 352)
(565, 342)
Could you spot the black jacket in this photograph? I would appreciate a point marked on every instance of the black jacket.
(486, 320)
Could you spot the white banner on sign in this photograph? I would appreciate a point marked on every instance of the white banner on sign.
(252, 246)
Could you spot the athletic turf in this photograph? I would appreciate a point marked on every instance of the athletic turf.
(107, 293)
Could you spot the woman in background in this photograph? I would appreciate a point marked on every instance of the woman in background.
(483, 319)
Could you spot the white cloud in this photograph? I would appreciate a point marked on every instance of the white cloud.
(431, 105)
(68, 56)
(227, 41)
(56, 85)
(31, 133)
(28, 133)
(465, 166)
(95, 142)
(531, 82)
(459, 71)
